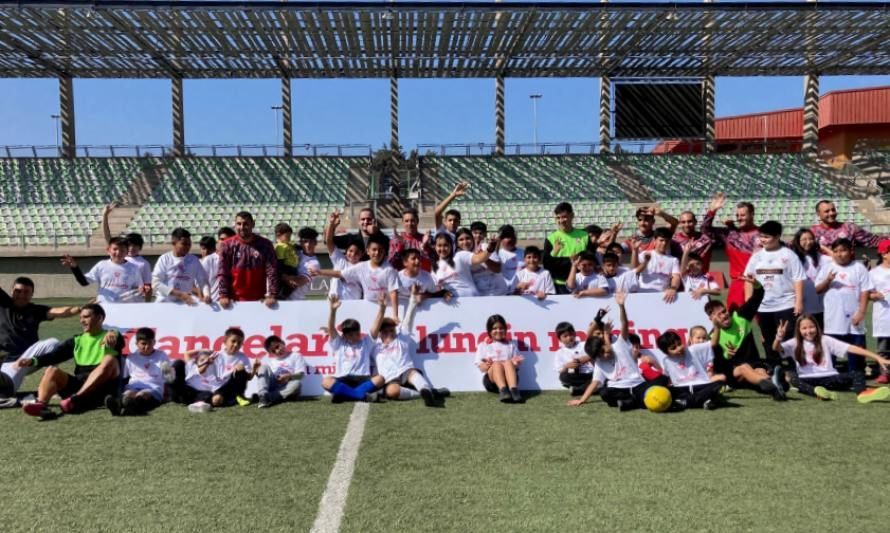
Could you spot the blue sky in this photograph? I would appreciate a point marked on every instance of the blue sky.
(347, 111)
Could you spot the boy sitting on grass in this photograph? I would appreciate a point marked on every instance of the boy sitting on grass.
(219, 377)
(148, 371)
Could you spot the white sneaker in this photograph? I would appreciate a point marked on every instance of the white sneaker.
(200, 407)
(6, 403)
(28, 399)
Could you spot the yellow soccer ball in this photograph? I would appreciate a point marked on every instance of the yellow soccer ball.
(657, 399)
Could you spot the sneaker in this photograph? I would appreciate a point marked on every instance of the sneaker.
(710, 404)
(372, 397)
(824, 394)
(68, 404)
(504, 395)
(28, 399)
(778, 377)
(113, 404)
(878, 394)
(200, 407)
(242, 401)
(429, 399)
(625, 405)
(516, 396)
(883, 379)
(6, 403)
(680, 404)
(442, 392)
(262, 401)
(39, 409)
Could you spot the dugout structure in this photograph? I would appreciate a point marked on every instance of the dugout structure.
(498, 40)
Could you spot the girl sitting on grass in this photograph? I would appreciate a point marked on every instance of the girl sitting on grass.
(499, 359)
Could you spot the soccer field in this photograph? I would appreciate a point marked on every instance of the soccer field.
(475, 465)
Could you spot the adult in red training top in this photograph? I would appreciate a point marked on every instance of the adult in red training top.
(248, 267)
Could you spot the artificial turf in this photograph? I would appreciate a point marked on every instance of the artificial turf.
(475, 465)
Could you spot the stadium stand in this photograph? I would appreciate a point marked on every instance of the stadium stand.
(58, 202)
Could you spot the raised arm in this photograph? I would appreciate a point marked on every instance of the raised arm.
(482, 255)
(570, 281)
(620, 298)
(407, 325)
(330, 229)
(378, 320)
(459, 190)
(780, 334)
(63, 312)
(106, 227)
(71, 263)
(332, 316)
(670, 219)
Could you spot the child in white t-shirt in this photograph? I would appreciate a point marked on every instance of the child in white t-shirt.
(309, 265)
(119, 281)
(583, 279)
(846, 287)
(571, 362)
(413, 276)
(813, 354)
(533, 279)
(880, 313)
(352, 355)
(341, 260)
(499, 359)
(778, 269)
(148, 371)
(219, 377)
(614, 278)
(178, 275)
(394, 356)
(616, 374)
(452, 270)
(487, 275)
(210, 264)
(657, 270)
(512, 258)
(695, 281)
(691, 371)
(280, 374)
(375, 276)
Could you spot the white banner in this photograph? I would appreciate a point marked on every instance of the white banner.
(446, 333)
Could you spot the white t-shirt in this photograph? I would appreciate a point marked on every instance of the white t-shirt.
(830, 346)
(694, 283)
(144, 267)
(565, 355)
(458, 280)
(117, 283)
(620, 370)
(656, 277)
(590, 281)
(393, 358)
(842, 297)
(178, 273)
(691, 369)
(307, 262)
(776, 270)
(211, 269)
(539, 281)
(812, 301)
(880, 313)
(352, 359)
(375, 281)
(624, 280)
(489, 283)
(217, 373)
(145, 372)
(511, 262)
(345, 290)
(291, 363)
(424, 280)
(495, 351)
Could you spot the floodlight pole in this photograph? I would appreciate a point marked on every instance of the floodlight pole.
(58, 147)
(275, 109)
(535, 98)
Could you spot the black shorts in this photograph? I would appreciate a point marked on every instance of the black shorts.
(491, 386)
(97, 398)
(727, 366)
(353, 381)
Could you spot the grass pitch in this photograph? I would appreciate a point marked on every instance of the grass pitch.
(476, 465)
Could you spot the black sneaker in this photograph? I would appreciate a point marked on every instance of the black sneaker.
(710, 404)
(262, 401)
(625, 405)
(113, 404)
(516, 396)
(429, 398)
(504, 395)
(442, 392)
(680, 404)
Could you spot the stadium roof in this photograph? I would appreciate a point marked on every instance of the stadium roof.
(271, 39)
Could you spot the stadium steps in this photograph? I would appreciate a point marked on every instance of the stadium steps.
(118, 220)
(629, 182)
(852, 182)
(143, 186)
